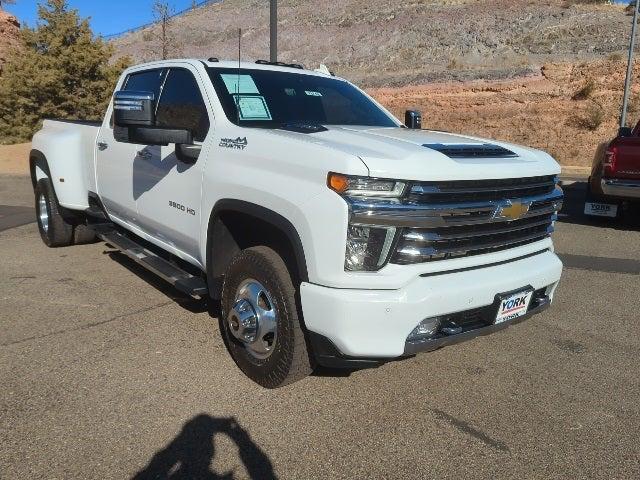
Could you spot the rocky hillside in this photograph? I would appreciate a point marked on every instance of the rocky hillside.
(399, 42)
(9, 33)
(568, 109)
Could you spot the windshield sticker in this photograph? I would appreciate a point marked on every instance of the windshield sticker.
(313, 94)
(239, 83)
(253, 108)
(290, 91)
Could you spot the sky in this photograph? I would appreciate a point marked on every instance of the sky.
(107, 16)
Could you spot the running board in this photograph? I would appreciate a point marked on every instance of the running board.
(180, 279)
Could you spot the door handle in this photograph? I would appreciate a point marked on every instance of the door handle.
(146, 154)
(103, 146)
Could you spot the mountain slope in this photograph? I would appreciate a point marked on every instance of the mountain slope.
(9, 35)
(384, 42)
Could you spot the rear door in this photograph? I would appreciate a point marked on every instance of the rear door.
(167, 186)
(628, 158)
(115, 160)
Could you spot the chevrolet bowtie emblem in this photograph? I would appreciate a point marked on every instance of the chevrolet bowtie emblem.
(513, 210)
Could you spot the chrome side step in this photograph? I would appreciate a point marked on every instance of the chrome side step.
(180, 279)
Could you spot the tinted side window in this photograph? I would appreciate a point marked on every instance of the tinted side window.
(181, 105)
(147, 81)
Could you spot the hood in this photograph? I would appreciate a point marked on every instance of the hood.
(425, 155)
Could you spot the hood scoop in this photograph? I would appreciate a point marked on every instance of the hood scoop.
(484, 150)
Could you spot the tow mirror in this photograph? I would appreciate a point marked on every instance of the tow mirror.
(159, 136)
(625, 132)
(134, 109)
(134, 119)
(413, 119)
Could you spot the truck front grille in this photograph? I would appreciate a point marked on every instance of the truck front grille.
(473, 230)
(443, 220)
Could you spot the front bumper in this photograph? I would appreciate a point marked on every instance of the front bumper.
(622, 188)
(375, 324)
(542, 302)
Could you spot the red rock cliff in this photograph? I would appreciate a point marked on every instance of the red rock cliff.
(9, 35)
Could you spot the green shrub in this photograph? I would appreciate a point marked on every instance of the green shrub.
(60, 71)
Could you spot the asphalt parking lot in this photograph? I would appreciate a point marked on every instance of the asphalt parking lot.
(107, 373)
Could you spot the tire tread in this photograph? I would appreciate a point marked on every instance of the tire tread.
(292, 362)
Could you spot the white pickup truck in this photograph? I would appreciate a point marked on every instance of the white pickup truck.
(329, 232)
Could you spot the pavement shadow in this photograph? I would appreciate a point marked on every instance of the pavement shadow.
(573, 211)
(191, 453)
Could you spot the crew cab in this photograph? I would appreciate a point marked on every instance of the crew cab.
(614, 183)
(329, 232)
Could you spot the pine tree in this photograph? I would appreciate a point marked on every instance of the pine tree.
(60, 71)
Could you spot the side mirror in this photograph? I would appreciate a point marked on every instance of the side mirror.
(134, 119)
(134, 109)
(159, 136)
(413, 119)
(625, 132)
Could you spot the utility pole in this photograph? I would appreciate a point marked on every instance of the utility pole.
(627, 82)
(273, 46)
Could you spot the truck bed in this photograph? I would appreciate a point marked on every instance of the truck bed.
(69, 146)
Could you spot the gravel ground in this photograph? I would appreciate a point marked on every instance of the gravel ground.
(107, 373)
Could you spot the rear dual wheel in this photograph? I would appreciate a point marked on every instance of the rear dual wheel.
(260, 320)
(55, 229)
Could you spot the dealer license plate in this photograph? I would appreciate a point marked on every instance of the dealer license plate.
(600, 209)
(514, 306)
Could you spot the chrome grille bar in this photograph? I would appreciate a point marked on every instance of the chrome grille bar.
(388, 213)
(441, 220)
(503, 227)
(443, 252)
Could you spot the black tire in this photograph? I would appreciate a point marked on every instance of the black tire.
(289, 359)
(54, 229)
(83, 235)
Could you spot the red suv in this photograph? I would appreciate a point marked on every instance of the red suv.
(615, 175)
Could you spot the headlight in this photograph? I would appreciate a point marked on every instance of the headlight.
(367, 247)
(364, 186)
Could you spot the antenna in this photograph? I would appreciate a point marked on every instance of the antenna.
(238, 80)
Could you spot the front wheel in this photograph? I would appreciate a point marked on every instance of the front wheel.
(260, 321)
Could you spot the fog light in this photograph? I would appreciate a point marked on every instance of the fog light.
(427, 328)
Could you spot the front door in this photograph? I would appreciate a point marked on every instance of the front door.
(167, 182)
(115, 160)
(114, 163)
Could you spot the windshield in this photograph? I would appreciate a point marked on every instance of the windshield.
(271, 99)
